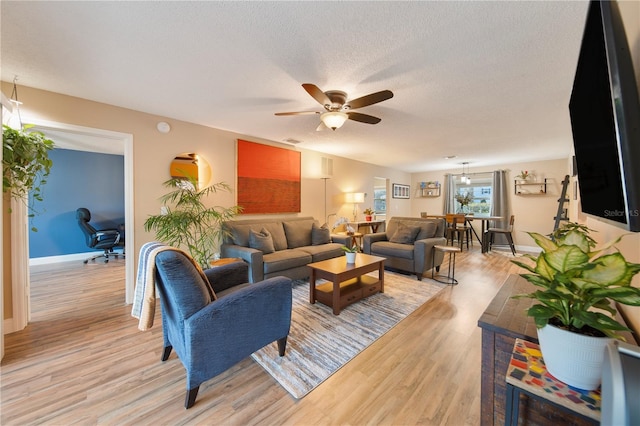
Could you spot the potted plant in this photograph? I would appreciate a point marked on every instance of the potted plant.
(189, 223)
(464, 200)
(368, 214)
(523, 176)
(25, 162)
(351, 253)
(577, 288)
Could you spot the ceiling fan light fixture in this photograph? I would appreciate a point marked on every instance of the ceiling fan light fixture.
(334, 119)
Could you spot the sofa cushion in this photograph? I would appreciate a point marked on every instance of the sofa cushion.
(261, 241)
(405, 234)
(231, 290)
(427, 230)
(298, 233)
(240, 233)
(320, 234)
(285, 259)
(389, 249)
(323, 251)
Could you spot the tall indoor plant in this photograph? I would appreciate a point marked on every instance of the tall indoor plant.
(577, 288)
(187, 222)
(25, 162)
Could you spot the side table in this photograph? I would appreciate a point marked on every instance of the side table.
(450, 278)
(527, 374)
(356, 238)
(224, 261)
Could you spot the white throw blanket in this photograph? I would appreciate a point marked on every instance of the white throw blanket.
(144, 298)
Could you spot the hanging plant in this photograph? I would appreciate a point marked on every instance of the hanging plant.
(25, 162)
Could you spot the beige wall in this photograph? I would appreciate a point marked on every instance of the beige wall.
(534, 213)
(630, 245)
(153, 152)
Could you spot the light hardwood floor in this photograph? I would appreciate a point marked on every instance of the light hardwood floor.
(83, 361)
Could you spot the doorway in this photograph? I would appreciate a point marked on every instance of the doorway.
(88, 139)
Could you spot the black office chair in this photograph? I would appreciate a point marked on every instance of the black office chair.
(104, 239)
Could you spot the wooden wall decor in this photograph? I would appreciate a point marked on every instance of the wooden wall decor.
(268, 178)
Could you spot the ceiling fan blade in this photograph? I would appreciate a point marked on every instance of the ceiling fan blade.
(371, 99)
(321, 127)
(297, 113)
(317, 94)
(363, 118)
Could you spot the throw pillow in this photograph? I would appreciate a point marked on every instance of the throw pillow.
(261, 241)
(405, 234)
(320, 234)
(298, 233)
(427, 230)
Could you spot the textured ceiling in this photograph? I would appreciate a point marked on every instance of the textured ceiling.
(486, 81)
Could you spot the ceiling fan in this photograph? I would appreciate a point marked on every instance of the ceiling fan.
(338, 109)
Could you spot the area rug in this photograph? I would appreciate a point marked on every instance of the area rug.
(320, 343)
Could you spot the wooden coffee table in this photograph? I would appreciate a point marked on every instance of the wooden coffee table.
(348, 282)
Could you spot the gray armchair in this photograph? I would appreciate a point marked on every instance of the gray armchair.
(210, 333)
(408, 243)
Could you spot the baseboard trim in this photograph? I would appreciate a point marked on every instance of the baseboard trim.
(9, 326)
(62, 258)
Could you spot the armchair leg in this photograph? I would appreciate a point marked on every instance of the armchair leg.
(282, 345)
(419, 276)
(191, 397)
(166, 352)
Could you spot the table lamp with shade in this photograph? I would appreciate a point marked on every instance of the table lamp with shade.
(354, 198)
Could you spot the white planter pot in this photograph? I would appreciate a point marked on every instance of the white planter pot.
(573, 358)
(351, 257)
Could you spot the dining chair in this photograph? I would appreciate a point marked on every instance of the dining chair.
(457, 228)
(491, 233)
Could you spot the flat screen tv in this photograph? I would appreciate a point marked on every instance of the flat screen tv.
(605, 120)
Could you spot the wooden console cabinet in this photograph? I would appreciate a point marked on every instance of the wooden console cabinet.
(503, 321)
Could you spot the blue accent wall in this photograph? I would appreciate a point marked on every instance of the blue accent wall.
(77, 179)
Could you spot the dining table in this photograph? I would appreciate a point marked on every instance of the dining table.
(470, 218)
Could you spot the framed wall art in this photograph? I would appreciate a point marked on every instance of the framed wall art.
(268, 178)
(399, 190)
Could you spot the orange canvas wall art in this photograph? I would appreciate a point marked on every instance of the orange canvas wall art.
(268, 178)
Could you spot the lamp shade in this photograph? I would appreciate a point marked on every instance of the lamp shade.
(354, 197)
(334, 120)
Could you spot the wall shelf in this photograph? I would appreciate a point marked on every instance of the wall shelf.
(429, 190)
(530, 188)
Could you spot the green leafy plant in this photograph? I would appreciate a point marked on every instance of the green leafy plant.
(524, 175)
(25, 163)
(574, 279)
(188, 222)
(368, 211)
(353, 249)
(463, 199)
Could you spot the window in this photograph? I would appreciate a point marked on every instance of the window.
(380, 196)
(479, 190)
(380, 200)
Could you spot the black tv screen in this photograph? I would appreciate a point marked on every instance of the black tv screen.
(605, 120)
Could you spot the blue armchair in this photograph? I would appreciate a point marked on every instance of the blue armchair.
(209, 336)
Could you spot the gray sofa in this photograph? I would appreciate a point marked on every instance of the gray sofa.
(279, 247)
(407, 244)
